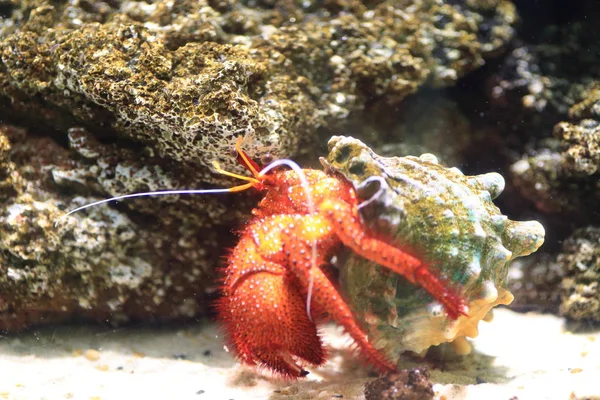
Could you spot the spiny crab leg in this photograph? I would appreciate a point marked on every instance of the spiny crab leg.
(295, 235)
(351, 232)
(328, 299)
(311, 209)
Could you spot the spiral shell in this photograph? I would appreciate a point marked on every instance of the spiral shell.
(449, 221)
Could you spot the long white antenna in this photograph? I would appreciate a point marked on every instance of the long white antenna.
(141, 194)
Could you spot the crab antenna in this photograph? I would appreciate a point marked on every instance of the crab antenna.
(247, 162)
(311, 209)
(144, 194)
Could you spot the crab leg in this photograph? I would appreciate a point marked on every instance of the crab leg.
(263, 314)
(287, 240)
(326, 298)
(351, 232)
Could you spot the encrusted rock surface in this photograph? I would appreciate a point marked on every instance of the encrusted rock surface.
(546, 96)
(580, 288)
(406, 384)
(546, 73)
(563, 177)
(188, 78)
(534, 281)
(102, 264)
(148, 95)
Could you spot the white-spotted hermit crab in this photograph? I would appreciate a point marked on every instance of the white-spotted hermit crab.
(275, 285)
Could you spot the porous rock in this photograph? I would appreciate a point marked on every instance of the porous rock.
(104, 263)
(148, 95)
(411, 384)
(580, 287)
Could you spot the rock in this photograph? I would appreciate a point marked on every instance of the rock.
(580, 287)
(406, 384)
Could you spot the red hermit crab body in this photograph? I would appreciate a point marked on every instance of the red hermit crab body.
(275, 289)
(273, 278)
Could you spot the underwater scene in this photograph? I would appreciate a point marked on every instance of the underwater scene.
(299, 199)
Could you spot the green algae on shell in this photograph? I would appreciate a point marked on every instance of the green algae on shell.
(447, 219)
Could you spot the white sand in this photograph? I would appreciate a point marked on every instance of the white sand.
(529, 356)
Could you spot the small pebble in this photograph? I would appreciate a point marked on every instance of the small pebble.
(286, 391)
(92, 355)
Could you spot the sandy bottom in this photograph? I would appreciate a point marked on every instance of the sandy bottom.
(521, 356)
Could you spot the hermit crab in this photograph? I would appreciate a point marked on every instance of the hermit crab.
(276, 285)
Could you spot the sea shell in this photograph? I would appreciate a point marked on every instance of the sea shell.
(447, 219)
